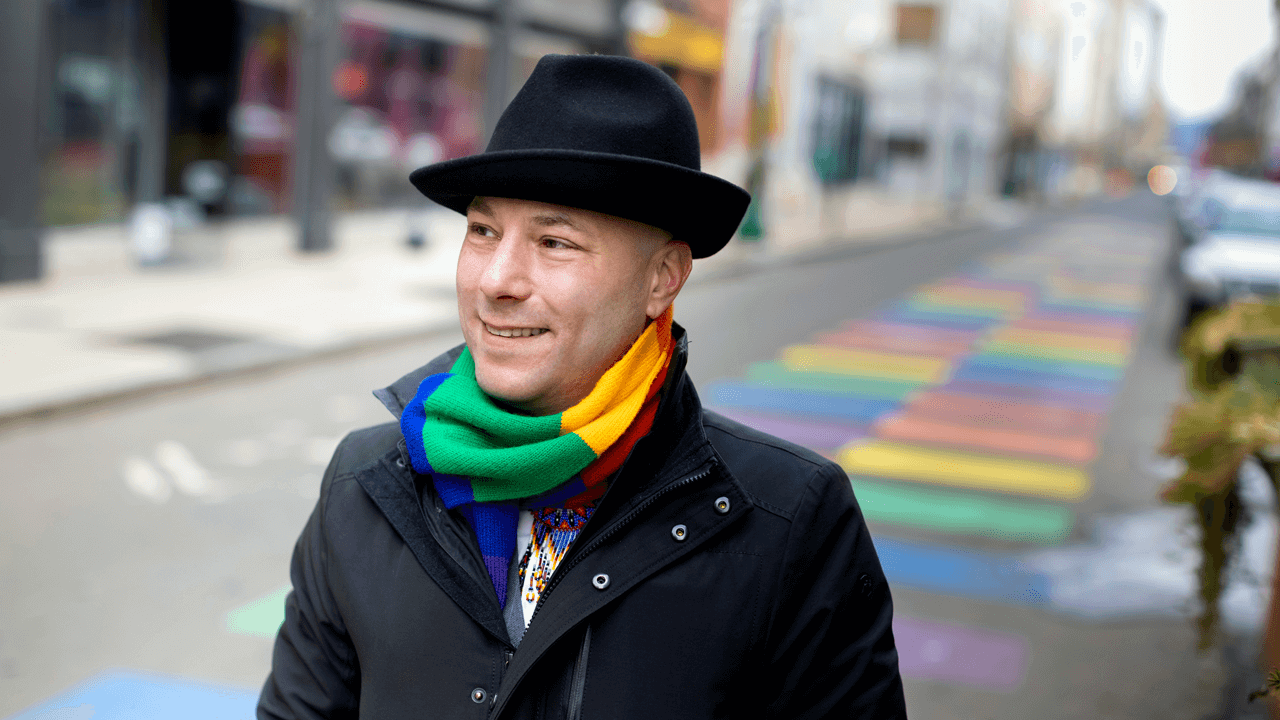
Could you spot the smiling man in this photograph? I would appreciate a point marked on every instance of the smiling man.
(555, 528)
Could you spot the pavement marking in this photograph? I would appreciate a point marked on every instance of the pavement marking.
(996, 412)
(1046, 338)
(921, 346)
(805, 402)
(989, 371)
(960, 654)
(189, 476)
(961, 513)
(1020, 366)
(962, 469)
(260, 618)
(968, 573)
(865, 363)
(1053, 397)
(132, 695)
(807, 431)
(910, 428)
(778, 376)
(1083, 356)
(928, 304)
(145, 480)
(919, 316)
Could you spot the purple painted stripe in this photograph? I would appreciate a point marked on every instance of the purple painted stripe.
(960, 654)
(801, 431)
(1090, 402)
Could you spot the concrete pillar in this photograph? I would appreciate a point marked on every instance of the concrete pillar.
(22, 46)
(319, 35)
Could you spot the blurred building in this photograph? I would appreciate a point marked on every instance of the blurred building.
(830, 103)
(1108, 121)
(151, 100)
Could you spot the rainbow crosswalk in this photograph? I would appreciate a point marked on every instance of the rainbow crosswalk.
(973, 407)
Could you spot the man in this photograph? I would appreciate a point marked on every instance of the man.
(555, 528)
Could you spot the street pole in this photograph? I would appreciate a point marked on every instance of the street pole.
(498, 76)
(319, 30)
(22, 44)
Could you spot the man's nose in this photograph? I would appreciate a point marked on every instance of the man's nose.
(506, 275)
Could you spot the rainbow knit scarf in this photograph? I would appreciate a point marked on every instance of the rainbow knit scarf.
(489, 462)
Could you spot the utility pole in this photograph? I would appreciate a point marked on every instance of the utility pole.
(498, 77)
(313, 169)
(22, 45)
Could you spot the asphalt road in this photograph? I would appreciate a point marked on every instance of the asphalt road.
(128, 535)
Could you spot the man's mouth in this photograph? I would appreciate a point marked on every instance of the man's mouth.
(514, 332)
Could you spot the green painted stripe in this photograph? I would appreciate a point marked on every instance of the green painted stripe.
(260, 618)
(956, 513)
(776, 375)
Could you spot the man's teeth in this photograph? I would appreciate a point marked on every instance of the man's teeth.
(515, 332)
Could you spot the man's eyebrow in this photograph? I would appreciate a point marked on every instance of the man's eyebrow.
(553, 219)
(480, 205)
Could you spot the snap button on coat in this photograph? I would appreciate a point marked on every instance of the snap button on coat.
(722, 505)
(679, 532)
(600, 581)
(478, 695)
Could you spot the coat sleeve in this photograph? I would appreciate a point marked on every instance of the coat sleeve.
(314, 670)
(831, 648)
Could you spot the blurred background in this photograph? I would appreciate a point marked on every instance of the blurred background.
(979, 230)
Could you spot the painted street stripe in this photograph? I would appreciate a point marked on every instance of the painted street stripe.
(858, 410)
(864, 363)
(1049, 381)
(936, 319)
(1090, 307)
(809, 432)
(931, 305)
(962, 469)
(129, 695)
(262, 617)
(959, 513)
(1003, 413)
(960, 655)
(910, 428)
(892, 329)
(1042, 366)
(1076, 322)
(1058, 397)
(959, 293)
(968, 573)
(1030, 351)
(1044, 338)
(778, 376)
(929, 347)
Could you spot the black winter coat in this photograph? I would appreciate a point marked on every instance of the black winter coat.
(771, 603)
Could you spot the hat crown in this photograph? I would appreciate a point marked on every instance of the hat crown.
(600, 103)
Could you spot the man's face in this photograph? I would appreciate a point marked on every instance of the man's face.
(550, 296)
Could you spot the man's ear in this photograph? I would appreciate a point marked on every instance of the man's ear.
(669, 270)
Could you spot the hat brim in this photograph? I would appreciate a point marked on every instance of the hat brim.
(695, 207)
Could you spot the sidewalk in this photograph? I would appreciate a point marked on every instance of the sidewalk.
(98, 327)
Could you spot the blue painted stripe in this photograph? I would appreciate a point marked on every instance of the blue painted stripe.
(1046, 381)
(1062, 368)
(844, 407)
(129, 695)
(1091, 308)
(968, 573)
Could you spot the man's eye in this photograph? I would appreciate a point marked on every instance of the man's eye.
(555, 244)
(482, 231)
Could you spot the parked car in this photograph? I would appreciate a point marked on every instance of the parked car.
(1238, 252)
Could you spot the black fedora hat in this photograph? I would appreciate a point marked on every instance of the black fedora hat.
(604, 133)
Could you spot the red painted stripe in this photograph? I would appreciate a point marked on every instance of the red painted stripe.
(929, 347)
(892, 329)
(1076, 324)
(906, 428)
(998, 413)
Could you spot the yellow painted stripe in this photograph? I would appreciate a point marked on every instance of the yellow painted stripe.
(1080, 355)
(865, 363)
(960, 469)
(1059, 339)
(1004, 299)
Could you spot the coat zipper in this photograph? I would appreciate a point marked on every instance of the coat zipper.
(612, 530)
(579, 685)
